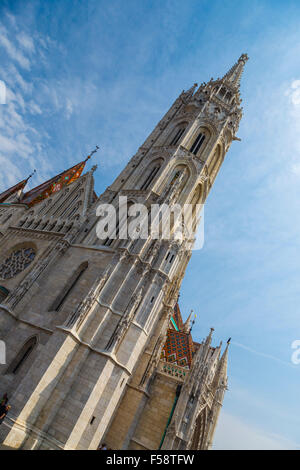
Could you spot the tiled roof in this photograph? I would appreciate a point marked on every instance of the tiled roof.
(179, 347)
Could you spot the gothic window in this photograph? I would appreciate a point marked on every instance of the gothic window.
(170, 257)
(22, 355)
(150, 178)
(197, 143)
(58, 303)
(177, 134)
(222, 92)
(197, 442)
(228, 96)
(3, 293)
(16, 263)
(151, 173)
(178, 171)
(177, 137)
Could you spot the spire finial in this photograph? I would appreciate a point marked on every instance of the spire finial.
(209, 337)
(92, 153)
(243, 58)
(187, 325)
(233, 76)
(31, 175)
(193, 321)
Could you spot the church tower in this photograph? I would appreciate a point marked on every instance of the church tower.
(85, 318)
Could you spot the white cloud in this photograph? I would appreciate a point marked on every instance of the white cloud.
(26, 42)
(69, 108)
(12, 51)
(262, 354)
(34, 108)
(293, 93)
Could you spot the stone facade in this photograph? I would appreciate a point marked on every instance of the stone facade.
(84, 320)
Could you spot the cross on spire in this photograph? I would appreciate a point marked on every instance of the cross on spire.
(92, 153)
(31, 175)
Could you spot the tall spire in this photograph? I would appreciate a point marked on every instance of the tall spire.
(187, 324)
(209, 337)
(233, 76)
(16, 189)
(221, 372)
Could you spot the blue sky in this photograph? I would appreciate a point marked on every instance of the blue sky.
(81, 73)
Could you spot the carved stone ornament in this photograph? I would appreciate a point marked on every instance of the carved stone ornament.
(16, 263)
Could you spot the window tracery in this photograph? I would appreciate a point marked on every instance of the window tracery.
(16, 263)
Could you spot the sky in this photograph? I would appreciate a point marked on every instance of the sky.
(81, 73)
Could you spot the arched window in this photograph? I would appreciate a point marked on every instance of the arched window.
(58, 303)
(17, 261)
(3, 293)
(176, 173)
(150, 177)
(197, 441)
(222, 92)
(151, 174)
(197, 143)
(177, 134)
(22, 355)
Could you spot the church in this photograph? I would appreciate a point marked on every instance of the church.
(96, 346)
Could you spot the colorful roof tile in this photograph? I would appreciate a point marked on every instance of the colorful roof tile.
(55, 184)
(179, 347)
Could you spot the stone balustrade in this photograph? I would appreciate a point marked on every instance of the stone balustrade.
(172, 370)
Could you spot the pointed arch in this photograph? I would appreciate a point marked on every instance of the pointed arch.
(199, 140)
(151, 172)
(22, 355)
(197, 441)
(175, 172)
(177, 133)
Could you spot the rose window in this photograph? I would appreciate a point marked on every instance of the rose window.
(16, 262)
